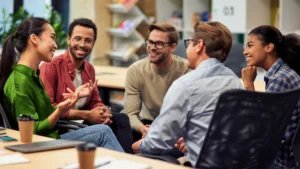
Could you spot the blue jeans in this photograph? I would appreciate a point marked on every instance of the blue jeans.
(99, 134)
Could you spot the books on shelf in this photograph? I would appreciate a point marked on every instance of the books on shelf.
(176, 20)
(122, 6)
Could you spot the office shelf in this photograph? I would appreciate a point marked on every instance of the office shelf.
(125, 47)
(126, 40)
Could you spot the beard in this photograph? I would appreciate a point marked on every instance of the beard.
(159, 59)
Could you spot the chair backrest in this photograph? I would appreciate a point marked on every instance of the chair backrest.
(180, 49)
(296, 146)
(3, 118)
(246, 129)
(236, 60)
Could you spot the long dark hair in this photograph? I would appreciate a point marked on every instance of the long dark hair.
(18, 41)
(286, 47)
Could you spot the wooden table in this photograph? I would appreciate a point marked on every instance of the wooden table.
(110, 78)
(57, 158)
(260, 85)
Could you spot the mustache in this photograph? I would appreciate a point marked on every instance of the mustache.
(81, 48)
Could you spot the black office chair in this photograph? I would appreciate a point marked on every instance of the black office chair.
(246, 129)
(180, 49)
(236, 60)
(3, 119)
(296, 146)
(62, 125)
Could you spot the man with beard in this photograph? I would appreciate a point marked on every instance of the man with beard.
(191, 100)
(70, 70)
(148, 79)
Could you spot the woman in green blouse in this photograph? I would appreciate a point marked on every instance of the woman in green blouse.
(22, 91)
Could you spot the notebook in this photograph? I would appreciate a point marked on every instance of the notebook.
(43, 146)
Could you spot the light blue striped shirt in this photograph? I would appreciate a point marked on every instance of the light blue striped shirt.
(188, 107)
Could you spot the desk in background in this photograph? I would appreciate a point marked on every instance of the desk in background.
(57, 158)
(113, 78)
(110, 78)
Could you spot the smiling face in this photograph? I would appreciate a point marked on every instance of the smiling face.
(47, 45)
(255, 52)
(81, 42)
(158, 56)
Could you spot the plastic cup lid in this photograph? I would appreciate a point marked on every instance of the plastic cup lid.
(24, 117)
(86, 147)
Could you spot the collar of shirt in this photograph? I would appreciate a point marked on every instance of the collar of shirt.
(70, 66)
(207, 63)
(29, 71)
(273, 69)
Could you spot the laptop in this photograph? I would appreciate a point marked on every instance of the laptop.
(43, 146)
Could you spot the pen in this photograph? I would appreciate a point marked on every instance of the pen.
(103, 164)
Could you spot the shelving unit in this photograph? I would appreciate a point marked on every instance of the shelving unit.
(166, 8)
(289, 16)
(126, 39)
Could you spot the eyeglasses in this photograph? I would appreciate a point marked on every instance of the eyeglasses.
(187, 42)
(79, 40)
(158, 44)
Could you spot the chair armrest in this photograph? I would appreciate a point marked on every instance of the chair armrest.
(166, 158)
(69, 124)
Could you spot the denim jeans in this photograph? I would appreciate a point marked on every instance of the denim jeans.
(99, 134)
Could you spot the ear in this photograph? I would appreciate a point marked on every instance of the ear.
(270, 47)
(200, 45)
(173, 47)
(69, 39)
(33, 39)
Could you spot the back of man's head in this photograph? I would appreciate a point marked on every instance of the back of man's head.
(165, 27)
(216, 37)
(85, 23)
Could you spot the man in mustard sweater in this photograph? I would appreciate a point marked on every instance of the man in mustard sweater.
(149, 79)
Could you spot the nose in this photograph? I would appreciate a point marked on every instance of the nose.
(245, 52)
(81, 43)
(55, 46)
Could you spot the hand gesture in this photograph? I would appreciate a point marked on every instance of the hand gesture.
(69, 103)
(181, 145)
(248, 77)
(84, 90)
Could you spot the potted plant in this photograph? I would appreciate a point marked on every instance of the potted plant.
(11, 22)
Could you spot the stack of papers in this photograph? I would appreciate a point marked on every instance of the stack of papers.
(110, 163)
(12, 159)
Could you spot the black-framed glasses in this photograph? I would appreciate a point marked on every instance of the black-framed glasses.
(157, 44)
(187, 42)
(79, 40)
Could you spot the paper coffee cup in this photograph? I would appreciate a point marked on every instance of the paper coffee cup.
(86, 155)
(26, 124)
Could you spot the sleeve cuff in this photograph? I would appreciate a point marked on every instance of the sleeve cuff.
(44, 127)
(141, 148)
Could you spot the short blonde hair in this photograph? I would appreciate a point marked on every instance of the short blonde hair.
(216, 37)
